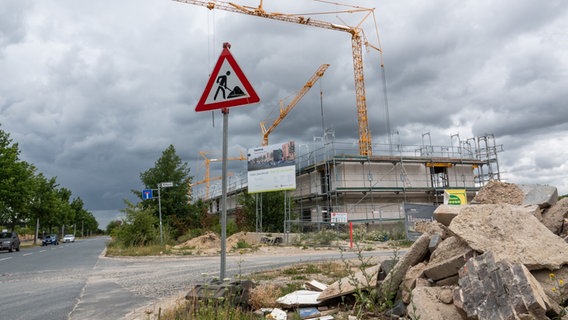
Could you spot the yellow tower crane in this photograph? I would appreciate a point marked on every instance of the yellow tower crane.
(207, 180)
(284, 111)
(357, 41)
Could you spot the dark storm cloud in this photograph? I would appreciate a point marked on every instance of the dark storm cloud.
(97, 90)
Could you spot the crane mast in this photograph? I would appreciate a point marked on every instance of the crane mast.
(357, 41)
(284, 111)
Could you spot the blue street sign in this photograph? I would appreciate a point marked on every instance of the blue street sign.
(147, 194)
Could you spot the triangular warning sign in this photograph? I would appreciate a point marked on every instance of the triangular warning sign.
(227, 87)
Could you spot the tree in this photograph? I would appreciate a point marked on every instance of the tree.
(44, 202)
(272, 211)
(174, 200)
(16, 183)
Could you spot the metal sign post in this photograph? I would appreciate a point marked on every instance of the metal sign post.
(227, 87)
(224, 194)
(163, 185)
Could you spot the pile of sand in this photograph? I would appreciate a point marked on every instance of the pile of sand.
(209, 240)
(250, 238)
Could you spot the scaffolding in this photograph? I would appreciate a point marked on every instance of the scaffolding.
(331, 176)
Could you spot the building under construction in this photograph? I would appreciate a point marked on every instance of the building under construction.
(331, 177)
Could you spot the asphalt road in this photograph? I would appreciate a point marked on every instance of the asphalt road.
(45, 282)
(74, 281)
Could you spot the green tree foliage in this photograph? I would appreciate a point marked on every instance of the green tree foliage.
(27, 197)
(272, 211)
(16, 183)
(175, 200)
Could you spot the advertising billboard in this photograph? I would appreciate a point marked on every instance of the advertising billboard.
(271, 168)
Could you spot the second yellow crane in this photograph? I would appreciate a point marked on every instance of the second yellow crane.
(357, 41)
(285, 110)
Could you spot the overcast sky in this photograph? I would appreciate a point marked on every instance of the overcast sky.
(94, 91)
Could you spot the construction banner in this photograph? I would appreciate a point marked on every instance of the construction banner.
(455, 197)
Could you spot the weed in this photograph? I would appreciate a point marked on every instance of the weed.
(558, 285)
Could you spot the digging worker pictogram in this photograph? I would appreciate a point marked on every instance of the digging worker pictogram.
(222, 82)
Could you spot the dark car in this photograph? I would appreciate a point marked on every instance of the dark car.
(9, 241)
(50, 239)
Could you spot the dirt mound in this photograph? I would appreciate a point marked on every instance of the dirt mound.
(251, 238)
(499, 192)
(209, 240)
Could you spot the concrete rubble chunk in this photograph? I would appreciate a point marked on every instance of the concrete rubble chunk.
(541, 195)
(499, 290)
(315, 285)
(409, 282)
(512, 233)
(553, 217)
(435, 240)
(495, 192)
(300, 298)
(448, 258)
(416, 254)
(449, 248)
(444, 213)
(426, 305)
(347, 285)
(448, 268)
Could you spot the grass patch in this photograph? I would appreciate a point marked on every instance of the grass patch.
(116, 249)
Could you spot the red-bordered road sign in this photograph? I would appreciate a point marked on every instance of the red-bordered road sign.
(227, 87)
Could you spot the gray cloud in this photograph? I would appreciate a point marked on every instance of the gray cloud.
(94, 91)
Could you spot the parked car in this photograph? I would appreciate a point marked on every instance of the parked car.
(50, 239)
(69, 238)
(9, 241)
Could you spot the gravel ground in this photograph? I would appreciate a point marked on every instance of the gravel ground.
(162, 282)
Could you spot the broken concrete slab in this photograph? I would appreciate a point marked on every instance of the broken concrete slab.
(300, 298)
(542, 195)
(511, 233)
(315, 285)
(435, 240)
(347, 285)
(444, 213)
(409, 281)
(426, 305)
(448, 258)
(449, 248)
(497, 192)
(553, 217)
(415, 254)
(499, 290)
(448, 268)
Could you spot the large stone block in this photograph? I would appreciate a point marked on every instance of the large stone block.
(416, 254)
(410, 281)
(448, 267)
(499, 290)
(426, 305)
(444, 213)
(553, 217)
(512, 233)
(540, 195)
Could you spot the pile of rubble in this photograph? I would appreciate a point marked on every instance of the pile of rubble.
(504, 256)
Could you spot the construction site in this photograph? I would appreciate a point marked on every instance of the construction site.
(367, 183)
(331, 177)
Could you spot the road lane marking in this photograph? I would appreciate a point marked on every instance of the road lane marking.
(42, 250)
(27, 254)
(5, 258)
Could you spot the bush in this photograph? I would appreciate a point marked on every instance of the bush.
(139, 229)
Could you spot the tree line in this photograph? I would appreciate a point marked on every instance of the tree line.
(30, 202)
(182, 217)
